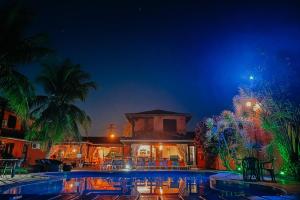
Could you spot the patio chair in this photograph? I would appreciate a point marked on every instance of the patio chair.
(107, 165)
(18, 167)
(151, 164)
(175, 165)
(164, 164)
(269, 167)
(140, 163)
(157, 164)
(182, 165)
(251, 169)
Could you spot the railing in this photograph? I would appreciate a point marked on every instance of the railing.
(9, 164)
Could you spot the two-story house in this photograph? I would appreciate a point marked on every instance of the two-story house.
(160, 134)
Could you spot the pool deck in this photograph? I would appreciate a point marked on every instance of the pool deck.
(23, 178)
(291, 188)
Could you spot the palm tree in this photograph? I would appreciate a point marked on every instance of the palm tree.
(56, 116)
(16, 50)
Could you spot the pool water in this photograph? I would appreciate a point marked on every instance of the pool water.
(134, 185)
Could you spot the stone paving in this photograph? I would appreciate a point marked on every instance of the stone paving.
(292, 188)
(5, 180)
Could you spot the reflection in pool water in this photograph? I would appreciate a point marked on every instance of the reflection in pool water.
(143, 185)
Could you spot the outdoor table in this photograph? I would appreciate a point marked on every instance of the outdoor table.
(6, 164)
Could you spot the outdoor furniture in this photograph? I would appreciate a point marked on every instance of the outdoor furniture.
(175, 164)
(67, 167)
(47, 165)
(251, 169)
(8, 164)
(269, 167)
(140, 163)
(118, 164)
(151, 164)
(107, 165)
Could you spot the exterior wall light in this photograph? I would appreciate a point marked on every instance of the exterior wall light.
(248, 104)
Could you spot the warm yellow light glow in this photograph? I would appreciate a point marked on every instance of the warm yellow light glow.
(161, 147)
(248, 104)
(74, 150)
(256, 107)
(71, 185)
(112, 135)
(161, 190)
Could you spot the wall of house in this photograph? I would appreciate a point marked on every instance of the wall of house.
(32, 154)
(140, 123)
(6, 116)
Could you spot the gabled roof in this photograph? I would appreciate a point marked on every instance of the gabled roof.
(160, 112)
(157, 112)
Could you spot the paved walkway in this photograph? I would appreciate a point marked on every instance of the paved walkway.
(20, 178)
(292, 188)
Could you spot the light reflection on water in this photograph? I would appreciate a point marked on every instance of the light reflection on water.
(154, 186)
(186, 186)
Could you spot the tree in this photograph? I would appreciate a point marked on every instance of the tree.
(207, 145)
(282, 119)
(56, 116)
(16, 50)
(221, 135)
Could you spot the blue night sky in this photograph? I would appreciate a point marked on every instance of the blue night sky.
(185, 56)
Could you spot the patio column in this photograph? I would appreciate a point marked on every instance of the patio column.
(151, 152)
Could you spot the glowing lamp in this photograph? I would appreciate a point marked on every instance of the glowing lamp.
(160, 147)
(74, 150)
(281, 173)
(251, 77)
(239, 168)
(248, 104)
(112, 136)
(127, 166)
(161, 190)
(256, 107)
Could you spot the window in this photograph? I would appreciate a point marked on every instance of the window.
(170, 125)
(12, 121)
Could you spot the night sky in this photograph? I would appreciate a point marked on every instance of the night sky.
(185, 56)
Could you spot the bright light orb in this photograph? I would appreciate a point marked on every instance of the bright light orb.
(248, 104)
(160, 147)
(127, 166)
(251, 77)
(112, 135)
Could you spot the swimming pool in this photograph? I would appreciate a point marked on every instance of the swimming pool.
(134, 185)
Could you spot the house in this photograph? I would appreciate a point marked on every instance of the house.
(160, 134)
(155, 135)
(12, 138)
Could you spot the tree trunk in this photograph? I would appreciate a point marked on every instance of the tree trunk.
(3, 107)
(48, 150)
